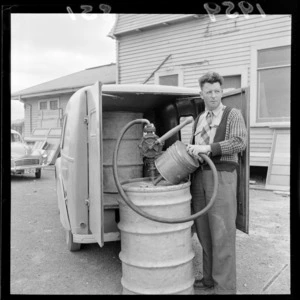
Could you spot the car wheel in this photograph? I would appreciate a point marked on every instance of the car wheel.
(38, 173)
(71, 245)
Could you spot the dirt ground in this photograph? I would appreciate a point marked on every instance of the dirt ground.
(41, 264)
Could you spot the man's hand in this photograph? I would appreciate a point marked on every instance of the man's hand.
(194, 150)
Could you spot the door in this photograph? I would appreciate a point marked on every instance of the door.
(240, 100)
(95, 152)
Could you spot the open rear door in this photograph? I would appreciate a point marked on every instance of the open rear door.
(95, 151)
(240, 99)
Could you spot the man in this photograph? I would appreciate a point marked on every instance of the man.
(219, 132)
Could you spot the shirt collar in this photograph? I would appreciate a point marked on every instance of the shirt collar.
(215, 111)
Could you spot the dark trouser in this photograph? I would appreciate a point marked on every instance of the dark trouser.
(216, 229)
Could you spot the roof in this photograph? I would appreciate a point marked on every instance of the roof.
(139, 97)
(70, 83)
(133, 97)
(148, 89)
(130, 23)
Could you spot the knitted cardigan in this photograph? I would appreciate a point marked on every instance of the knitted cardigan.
(230, 139)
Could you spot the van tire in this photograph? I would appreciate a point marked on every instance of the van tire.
(70, 244)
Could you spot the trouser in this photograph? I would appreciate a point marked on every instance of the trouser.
(216, 229)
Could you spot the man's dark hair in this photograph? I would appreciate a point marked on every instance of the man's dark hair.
(211, 77)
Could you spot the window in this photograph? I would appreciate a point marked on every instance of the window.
(273, 84)
(232, 81)
(53, 104)
(173, 77)
(169, 80)
(270, 83)
(48, 104)
(43, 105)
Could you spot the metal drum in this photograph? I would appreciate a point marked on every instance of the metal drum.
(157, 258)
(130, 162)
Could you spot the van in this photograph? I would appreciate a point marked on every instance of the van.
(93, 119)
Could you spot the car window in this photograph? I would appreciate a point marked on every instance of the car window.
(15, 137)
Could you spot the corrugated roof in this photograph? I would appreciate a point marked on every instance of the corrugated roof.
(105, 74)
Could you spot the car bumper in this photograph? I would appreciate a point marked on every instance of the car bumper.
(16, 169)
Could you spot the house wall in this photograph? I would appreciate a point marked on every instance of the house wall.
(196, 46)
(141, 53)
(43, 119)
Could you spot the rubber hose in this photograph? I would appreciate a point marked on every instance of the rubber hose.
(140, 211)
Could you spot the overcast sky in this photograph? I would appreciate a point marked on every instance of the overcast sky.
(48, 46)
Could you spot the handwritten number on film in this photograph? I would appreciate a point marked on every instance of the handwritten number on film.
(213, 9)
(87, 9)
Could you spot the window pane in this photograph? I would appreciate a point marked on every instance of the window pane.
(274, 57)
(274, 94)
(54, 104)
(169, 80)
(43, 105)
(232, 82)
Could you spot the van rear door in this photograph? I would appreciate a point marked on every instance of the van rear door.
(240, 100)
(95, 169)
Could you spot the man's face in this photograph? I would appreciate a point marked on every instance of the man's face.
(212, 95)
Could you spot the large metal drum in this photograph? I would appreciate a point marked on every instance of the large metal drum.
(130, 162)
(157, 258)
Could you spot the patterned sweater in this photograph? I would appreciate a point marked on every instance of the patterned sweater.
(230, 139)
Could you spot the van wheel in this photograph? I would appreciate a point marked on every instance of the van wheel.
(71, 245)
(38, 173)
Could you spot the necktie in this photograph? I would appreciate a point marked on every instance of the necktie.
(206, 129)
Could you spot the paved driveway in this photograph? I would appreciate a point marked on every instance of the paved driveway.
(41, 263)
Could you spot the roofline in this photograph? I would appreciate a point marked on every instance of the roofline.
(17, 93)
(51, 92)
(131, 88)
(152, 26)
(111, 32)
(112, 63)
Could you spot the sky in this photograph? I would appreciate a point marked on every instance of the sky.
(48, 46)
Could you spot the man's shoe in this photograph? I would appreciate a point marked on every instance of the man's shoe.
(199, 284)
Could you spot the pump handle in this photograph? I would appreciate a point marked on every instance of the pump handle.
(173, 131)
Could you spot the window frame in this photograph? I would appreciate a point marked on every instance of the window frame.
(254, 84)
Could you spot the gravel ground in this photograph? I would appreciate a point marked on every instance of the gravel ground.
(41, 264)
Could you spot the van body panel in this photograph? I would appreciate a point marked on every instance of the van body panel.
(74, 163)
(240, 100)
(60, 191)
(95, 162)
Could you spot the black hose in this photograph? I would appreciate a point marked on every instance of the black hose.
(140, 211)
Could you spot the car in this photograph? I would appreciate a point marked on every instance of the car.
(25, 159)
